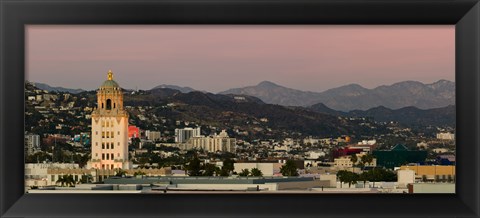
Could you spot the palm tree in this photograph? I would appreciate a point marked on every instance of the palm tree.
(86, 179)
(354, 159)
(366, 159)
(66, 180)
(256, 172)
(69, 181)
(244, 172)
(61, 180)
(120, 172)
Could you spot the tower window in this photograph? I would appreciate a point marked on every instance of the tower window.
(109, 104)
(114, 105)
(103, 156)
(103, 145)
(102, 105)
(112, 146)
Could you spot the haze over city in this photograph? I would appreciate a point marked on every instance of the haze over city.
(217, 58)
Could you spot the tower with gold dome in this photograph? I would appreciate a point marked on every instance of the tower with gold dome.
(109, 128)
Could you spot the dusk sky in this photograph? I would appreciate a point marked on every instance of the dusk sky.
(216, 58)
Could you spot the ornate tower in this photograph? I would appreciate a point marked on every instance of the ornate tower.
(109, 128)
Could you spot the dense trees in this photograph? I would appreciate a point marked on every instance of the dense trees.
(366, 159)
(209, 169)
(347, 177)
(66, 180)
(193, 167)
(374, 175)
(256, 172)
(289, 169)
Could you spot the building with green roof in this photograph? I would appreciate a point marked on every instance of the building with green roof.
(399, 155)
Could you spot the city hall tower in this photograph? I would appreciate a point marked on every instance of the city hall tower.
(109, 128)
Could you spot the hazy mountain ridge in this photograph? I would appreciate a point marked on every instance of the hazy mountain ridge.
(233, 109)
(407, 115)
(275, 94)
(229, 110)
(354, 96)
(49, 88)
(185, 89)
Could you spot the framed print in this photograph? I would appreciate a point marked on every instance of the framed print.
(239, 108)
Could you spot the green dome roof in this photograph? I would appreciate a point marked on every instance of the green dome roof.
(110, 84)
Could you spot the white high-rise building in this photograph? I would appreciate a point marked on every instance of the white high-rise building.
(183, 135)
(109, 128)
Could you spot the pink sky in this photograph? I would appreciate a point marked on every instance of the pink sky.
(216, 58)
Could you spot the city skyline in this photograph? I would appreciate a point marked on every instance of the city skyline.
(309, 58)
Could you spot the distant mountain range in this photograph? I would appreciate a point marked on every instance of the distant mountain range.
(355, 97)
(46, 87)
(345, 98)
(213, 107)
(244, 112)
(407, 115)
(179, 88)
(210, 107)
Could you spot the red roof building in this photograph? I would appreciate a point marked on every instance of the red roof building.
(133, 132)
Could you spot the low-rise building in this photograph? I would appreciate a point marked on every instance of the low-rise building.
(405, 177)
(432, 173)
(446, 136)
(345, 161)
(268, 169)
(398, 156)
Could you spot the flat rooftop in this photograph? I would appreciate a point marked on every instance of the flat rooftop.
(202, 180)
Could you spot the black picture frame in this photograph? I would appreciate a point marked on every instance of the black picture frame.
(15, 14)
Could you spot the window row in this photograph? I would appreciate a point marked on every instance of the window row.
(108, 145)
(108, 166)
(107, 124)
(109, 156)
(108, 134)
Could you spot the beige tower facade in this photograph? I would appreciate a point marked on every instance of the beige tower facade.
(109, 128)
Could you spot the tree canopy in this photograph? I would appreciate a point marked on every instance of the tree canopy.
(289, 169)
(256, 172)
